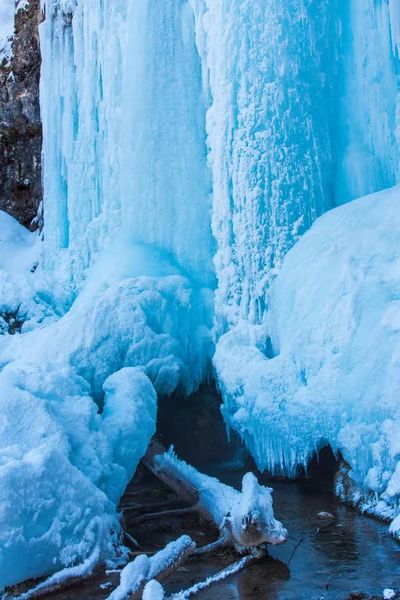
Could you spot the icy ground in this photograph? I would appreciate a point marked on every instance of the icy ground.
(330, 372)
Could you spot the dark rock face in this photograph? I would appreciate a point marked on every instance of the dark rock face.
(20, 125)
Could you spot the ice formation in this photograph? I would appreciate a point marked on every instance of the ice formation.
(333, 372)
(188, 145)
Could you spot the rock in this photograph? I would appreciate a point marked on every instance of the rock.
(325, 515)
(20, 125)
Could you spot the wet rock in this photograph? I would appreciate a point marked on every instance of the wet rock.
(325, 515)
(20, 125)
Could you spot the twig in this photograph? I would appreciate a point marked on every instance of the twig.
(164, 513)
(294, 550)
(132, 540)
(244, 562)
(153, 505)
(223, 541)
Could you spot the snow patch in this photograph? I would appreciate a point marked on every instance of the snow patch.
(7, 12)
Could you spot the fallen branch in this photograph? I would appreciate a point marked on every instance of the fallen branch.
(241, 564)
(143, 569)
(165, 513)
(246, 519)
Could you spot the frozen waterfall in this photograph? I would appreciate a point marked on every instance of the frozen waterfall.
(188, 146)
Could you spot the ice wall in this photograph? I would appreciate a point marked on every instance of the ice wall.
(302, 118)
(270, 70)
(298, 101)
(123, 116)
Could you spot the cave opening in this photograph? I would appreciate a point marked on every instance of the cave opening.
(195, 427)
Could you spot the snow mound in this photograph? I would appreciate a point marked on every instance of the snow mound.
(63, 466)
(78, 405)
(326, 367)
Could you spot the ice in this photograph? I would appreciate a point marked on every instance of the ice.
(188, 146)
(332, 371)
(124, 137)
(303, 116)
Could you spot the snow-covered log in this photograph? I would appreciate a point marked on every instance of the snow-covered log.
(244, 518)
(143, 569)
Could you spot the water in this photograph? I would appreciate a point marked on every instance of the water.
(356, 553)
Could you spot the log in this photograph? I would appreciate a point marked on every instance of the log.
(245, 519)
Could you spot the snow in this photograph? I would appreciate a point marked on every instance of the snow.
(126, 337)
(132, 578)
(197, 587)
(64, 466)
(153, 591)
(332, 373)
(7, 11)
(224, 503)
(143, 569)
(24, 296)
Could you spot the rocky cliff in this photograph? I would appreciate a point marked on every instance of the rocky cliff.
(20, 126)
